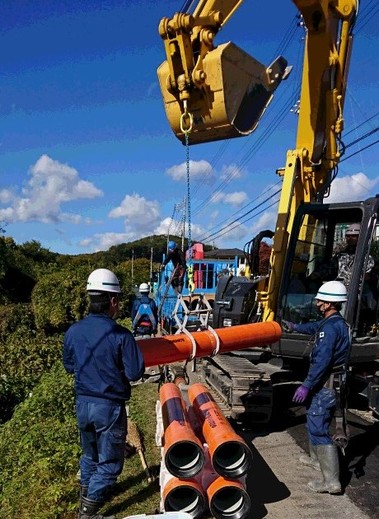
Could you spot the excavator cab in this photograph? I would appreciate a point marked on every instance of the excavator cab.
(212, 93)
(319, 251)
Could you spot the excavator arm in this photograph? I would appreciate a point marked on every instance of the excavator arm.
(213, 93)
(210, 92)
(311, 167)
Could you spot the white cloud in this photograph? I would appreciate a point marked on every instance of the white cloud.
(167, 225)
(237, 198)
(231, 172)
(351, 188)
(75, 219)
(101, 242)
(232, 235)
(216, 197)
(266, 220)
(6, 196)
(140, 215)
(200, 169)
(164, 226)
(51, 184)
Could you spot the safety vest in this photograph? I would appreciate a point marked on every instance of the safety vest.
(144, 313)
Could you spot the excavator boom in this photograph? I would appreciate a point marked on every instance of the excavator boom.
(311, 167)
(225, 7)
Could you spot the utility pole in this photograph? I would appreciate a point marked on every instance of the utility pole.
(151, 263)
(133, 268)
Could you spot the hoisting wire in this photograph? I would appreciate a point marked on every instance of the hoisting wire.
(186, 131)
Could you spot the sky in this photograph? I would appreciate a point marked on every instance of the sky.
(88, 159)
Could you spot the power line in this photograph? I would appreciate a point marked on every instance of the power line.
(217, 233)
(228, 230)
(360, 151)
(365, 136)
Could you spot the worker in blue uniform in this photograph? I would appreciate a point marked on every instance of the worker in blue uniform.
(328, 364)
(144, 313)
(104, 358)
(177, 258)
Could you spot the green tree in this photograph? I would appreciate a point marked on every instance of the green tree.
(59, 299)
(25, 355)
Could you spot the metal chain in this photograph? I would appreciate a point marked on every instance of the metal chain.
(186, 122)
(188, 195)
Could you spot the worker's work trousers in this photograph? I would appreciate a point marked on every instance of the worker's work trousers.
(103, 429)
(319, 416)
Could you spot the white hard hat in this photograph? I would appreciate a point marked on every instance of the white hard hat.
(333, 292)
(144, 287)
(353, 230)
(103, 280)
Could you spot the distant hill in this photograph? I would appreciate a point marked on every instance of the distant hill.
(21, 266)
(149, 247)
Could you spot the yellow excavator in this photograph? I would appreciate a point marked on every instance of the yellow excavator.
(309, 231)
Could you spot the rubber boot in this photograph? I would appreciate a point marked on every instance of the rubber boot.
(327, 455)
(89, 508)
(83, 491)
(311, 460)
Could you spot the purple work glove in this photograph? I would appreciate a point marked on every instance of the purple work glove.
(300, 395)
(288, 326)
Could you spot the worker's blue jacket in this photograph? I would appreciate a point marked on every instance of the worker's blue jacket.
(104, 357)
(331, 348)
(145, 317)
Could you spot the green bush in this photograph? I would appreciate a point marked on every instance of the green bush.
(39, 455)
(24, 359)
(14, 317)
(39, 452)
(59, 299)
(25, 354)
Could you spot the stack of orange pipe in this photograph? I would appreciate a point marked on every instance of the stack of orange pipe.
(183, 451)
(230, 456)
(219, 477)
(183, 456)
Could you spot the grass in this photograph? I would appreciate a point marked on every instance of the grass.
(39, 451)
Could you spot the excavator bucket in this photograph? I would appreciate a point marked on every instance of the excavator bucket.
(236, 92)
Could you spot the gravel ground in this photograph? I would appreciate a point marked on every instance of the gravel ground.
(278, 488)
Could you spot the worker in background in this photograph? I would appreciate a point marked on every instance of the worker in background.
(344, 258)
(328, 364)
(104, 357)
(144, 313)
(176, 256)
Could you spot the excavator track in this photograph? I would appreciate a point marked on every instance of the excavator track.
(244, 389)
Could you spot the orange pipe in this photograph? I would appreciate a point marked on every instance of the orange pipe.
(184, 496)
(229, 454)
(174, 348)
(183, 451)
(228, 499)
